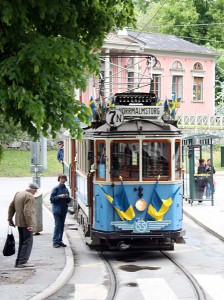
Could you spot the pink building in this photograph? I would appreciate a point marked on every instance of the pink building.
(182, 69)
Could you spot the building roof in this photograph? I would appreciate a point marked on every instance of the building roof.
(165, 42)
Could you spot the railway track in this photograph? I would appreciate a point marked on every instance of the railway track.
(114, 275)
(197, 288)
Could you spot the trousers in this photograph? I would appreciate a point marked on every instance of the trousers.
(58, 228)
(25, 245)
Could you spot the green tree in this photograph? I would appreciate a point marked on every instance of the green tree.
(48, 48)
(198, 21)
(10, 133)
(165, 16)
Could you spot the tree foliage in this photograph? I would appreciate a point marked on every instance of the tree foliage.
(48, 49)
(198, 21)
(11, 133)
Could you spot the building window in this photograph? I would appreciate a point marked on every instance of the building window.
(177, 86)
(198, 89)
(130, 74)
(177, 65)
(156, 85)
(156, 79)
(198, 66)
(130, 85)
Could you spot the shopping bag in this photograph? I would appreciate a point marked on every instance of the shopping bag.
(9, 248)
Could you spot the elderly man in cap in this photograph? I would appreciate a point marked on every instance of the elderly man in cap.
(60, 155)
(23, 206)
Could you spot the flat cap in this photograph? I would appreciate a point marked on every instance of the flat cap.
(60, 143)
(33, 186)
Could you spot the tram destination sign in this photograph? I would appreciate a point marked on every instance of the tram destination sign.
(141, 111)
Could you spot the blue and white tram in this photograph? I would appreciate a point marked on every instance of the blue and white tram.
(128, 183)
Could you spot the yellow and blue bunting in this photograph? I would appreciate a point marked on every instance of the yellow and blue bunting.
(158, 207)
(121, 204)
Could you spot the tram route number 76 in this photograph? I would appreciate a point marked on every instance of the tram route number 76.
(114, 117)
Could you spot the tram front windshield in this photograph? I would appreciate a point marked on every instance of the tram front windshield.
(125, 160)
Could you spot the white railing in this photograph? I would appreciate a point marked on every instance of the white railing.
(200, 121)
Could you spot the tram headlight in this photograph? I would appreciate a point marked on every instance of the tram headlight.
(140, 204)
(166, 117)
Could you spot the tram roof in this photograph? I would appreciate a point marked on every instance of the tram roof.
(134, 126)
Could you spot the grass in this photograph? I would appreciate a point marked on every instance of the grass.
(16, 163)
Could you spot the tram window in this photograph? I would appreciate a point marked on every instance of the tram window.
(125, 160)
(101, 155)
(156, 160)
(177, 159)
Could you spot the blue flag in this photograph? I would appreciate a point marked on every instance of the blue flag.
(166, 107)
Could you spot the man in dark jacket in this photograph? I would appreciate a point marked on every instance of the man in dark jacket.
(201, 180)
(60, 155)
(23, 206)
(59, 199)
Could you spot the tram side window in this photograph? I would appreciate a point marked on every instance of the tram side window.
(125, 160)
(177, 159)
(156, 159)
(81, 156)
(101, 159)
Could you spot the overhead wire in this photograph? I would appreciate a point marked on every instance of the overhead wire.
(186, 25)
(161, 6)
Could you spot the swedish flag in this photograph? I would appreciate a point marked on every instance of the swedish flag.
(173, 104)
(157, 206)
(92, 107)
(110, 103)
(158, 102)
(121, 204)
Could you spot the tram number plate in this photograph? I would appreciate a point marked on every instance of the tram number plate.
(114, 117)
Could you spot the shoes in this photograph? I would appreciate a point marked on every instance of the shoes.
(61, 244)
(25, 265)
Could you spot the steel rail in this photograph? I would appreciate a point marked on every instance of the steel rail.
(113, 278)
(197, 288)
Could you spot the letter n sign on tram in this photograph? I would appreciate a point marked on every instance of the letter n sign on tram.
(114, 117)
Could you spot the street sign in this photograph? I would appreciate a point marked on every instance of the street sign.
(141, 111)
(114, 117)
